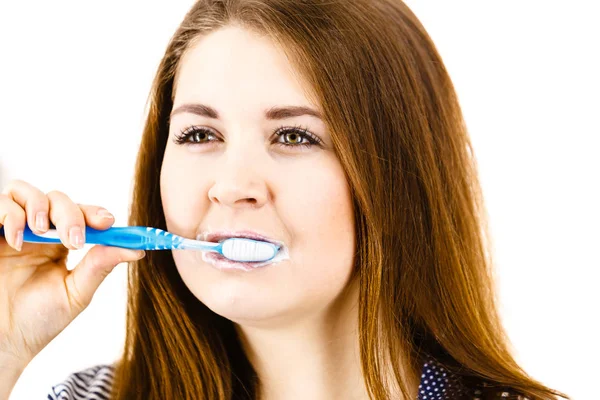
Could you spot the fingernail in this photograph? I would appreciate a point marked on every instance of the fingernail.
(141, 253)
(76, 237)
(19, 240)
(104, 214)
(41, 221)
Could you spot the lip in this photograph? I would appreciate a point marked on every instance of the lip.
(224, 263)
(226, 234)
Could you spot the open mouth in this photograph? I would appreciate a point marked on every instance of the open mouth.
(221, 262)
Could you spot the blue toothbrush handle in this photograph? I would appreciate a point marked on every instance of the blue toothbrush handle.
(129, 237)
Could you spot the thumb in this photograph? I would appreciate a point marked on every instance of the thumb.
(81, 283)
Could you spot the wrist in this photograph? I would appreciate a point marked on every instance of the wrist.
(10, 371)
(10, 362)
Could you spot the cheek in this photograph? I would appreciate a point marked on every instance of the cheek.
(320, 214)
(321, 205)
(180, 197)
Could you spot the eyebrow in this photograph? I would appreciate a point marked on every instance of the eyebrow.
(274, 113)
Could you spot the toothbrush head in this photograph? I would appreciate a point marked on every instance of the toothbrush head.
(235, 249)
(248, 250)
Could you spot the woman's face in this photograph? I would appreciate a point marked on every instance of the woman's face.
(234, 173)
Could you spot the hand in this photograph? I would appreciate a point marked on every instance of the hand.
(39, 296)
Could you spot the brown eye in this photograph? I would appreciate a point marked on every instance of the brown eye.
(292, 137)
(295, 137)
(198, 136)
(194, 135)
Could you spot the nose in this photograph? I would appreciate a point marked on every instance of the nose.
(238, 181)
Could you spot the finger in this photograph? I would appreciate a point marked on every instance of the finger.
(97, 217)
(84, 279)
(68, 219)
(33, 201)
(12, 216)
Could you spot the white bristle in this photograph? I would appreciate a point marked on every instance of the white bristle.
(248, 250)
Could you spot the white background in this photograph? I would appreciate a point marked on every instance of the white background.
(74, 78)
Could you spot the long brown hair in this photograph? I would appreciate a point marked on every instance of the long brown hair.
(423, 256)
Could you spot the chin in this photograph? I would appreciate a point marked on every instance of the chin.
(247, 310)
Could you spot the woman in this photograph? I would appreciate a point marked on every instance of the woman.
(332, 127)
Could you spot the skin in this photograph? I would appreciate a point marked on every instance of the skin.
(39, 296)
(298, 317)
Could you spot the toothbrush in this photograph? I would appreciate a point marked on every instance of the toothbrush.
(147, 238)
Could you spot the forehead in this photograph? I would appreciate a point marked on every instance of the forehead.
(233, 67)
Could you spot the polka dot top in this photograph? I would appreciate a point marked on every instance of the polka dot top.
(439, 384)
(436, 384)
